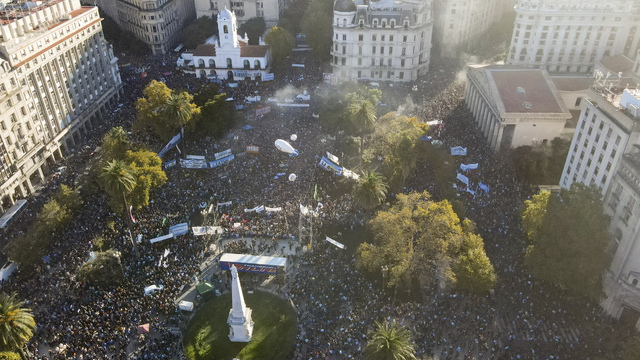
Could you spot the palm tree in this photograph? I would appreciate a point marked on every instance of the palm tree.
(178, 107)
(118, 181)
(389, 342)
(370, 190)
(362, 115)
(16, 324)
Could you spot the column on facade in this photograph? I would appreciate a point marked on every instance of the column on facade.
(29, 185)
(493, 133)
(500, 132)
(41, 174)
(22, 190)
(485, 121)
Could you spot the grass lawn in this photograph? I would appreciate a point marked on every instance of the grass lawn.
(274, 330)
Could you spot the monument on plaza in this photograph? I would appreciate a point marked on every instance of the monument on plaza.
(239, 319)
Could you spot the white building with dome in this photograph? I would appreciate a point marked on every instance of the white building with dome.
(385, 40)
(229, 57)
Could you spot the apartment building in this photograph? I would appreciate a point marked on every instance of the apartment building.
(156, 22)
(572, 35)
(57, 74)
(270, 10)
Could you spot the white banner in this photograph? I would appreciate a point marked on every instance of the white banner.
(330, 240)
(350, 174)
(270, 209)
(459, 150)
(465, 167)
(227, 203)
(206, 230)
(463, 178)
(222, 154)
(194, 157)
(194, 164)
(179, 229)
(333, 158)
(256, 209)
(161, 238)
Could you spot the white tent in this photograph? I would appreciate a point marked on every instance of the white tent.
(185, 305)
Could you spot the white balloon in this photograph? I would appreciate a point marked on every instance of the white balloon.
(293, 177)
(294, 137)
(285, 147)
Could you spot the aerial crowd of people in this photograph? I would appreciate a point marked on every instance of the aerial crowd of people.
(336, 304)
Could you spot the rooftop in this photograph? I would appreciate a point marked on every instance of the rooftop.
(525, 91)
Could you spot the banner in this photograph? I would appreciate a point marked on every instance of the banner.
(170, 164)
(329, 166)
(252, 149)
(227, 203)
(350, 174)
(193, 164)
(459, 150)
(195, 157)
(463, 178)
(161, 238)
(270, 209)
(330, 240)
(267, 77)
(253, 268)
(222, 154)
(465, 167)
(170, 145)
(206, 230)
(179, 229)
(214, 164)
(471, 191)
(263, 110)
(484, 187)
(255, 209)
(333, 158)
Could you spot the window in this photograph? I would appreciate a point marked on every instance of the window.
(344, 37)
(225, 29)
(360, 37)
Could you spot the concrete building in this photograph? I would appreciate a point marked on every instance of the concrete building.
(459, 22)
(572, 35)
(57, 74)
(622, 205)
(270, 10)
(382, 40)
(156, 22)
(230, 57)
(515, 106)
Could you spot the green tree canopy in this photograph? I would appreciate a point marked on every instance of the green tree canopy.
(17, 324)
(118, 181)
(254, 28)
(68, 198)
(568, 238)
(317, 27)
(147, 169)
(9, 355)
(417, 240)
(105, 270)
(217, 115)
(474, 272)
(115, 144)
(370, 190)
(198, 31)
(280, 42)
(163, 110)
(389, 342)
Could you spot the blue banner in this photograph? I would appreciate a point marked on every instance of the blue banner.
(330, 166)
(221, 162)
(251, 268)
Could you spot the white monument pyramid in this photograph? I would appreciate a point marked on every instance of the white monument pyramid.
(240, 315)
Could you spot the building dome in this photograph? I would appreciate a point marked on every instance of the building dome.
(225, 14)
(344, 6)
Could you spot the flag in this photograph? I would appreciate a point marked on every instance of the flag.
(315, 193)
(131, 214)
(164, 221)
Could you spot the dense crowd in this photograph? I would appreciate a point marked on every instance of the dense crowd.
(336, 304)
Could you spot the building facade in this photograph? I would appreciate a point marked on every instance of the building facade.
(572, 35)
(381, 40)
(515, 106)
(621, 280)
(57, 74)
(230, 57)
(459, 22)
(156, 22)
(269, 10)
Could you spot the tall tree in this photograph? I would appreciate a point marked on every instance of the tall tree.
(317, 27)
(17, 325)
(389, 342)
(115, 144)
(164, 110)
(280, 42)
(363, 116)
(118, 180)
(568, 239)
(254, 28)
(147, 169)
(370, 190)
(474, 272)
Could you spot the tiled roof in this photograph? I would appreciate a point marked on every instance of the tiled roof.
(205, 50)
(253, 51)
